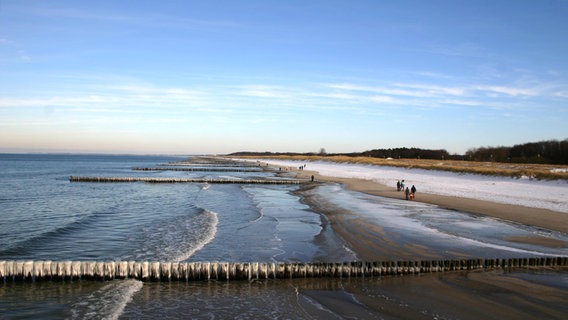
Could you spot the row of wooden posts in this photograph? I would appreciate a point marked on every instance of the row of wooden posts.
(183, 180)
(198, 169)
(209, 164)
(178, 271)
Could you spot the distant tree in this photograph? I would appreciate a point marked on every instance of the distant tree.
(412, 153)
(551, 152)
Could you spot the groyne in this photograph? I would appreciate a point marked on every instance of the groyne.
(176, 271)
(199, 169)
(183, 180)
(209, 164)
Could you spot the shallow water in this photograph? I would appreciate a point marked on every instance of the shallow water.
(45, 217)
(412, 297)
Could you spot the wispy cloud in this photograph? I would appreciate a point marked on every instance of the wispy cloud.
(263, 91)
(433, 90)
(258, 103)
(511, 91)
(403, 90)
(383, 99)
(435, 75)
(379, 90)
(116, 99)
(414, 90)
(332, 95)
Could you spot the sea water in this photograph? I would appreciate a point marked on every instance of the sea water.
(46, 217)
(43, 216)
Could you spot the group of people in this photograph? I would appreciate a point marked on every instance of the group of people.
(409, 193)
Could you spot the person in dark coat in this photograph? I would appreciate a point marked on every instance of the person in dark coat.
(398, 185)
(413, 190)
(407, 193)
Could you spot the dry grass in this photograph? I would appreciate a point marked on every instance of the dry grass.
(517, 170)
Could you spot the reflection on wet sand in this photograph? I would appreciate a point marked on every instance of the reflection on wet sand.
(496, 294)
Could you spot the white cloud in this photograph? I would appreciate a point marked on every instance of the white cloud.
(383, 99)
(406, 93)
(404, 90)
(511, 91)
(437, 75)
(433, 90)
(333, 95)
(262, 91)
(464, 102)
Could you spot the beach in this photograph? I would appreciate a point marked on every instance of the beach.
(538, 217)
(495, 294)
(344, 215)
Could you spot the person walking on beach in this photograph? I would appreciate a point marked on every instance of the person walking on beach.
(407, 193)
(398, 185)
(413, 191)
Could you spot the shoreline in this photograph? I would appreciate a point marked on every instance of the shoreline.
(460, 294)
(369, 241)
(538, 217)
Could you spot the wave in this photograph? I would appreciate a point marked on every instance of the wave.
(250, 195)
(39, 240)
(208, 235)
(108, 302)
(504, 247)
(177, 239)
(260, 216)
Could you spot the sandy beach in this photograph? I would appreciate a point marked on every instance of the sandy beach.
(538, 217)
(495, 294)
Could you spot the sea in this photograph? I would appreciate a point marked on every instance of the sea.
(44, 216)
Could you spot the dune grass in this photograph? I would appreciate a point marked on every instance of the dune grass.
(516, 170)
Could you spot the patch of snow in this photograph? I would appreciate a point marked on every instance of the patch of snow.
(552, 195)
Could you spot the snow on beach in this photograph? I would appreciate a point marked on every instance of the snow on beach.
(552, 195)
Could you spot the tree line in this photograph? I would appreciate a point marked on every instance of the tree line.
(545, 152)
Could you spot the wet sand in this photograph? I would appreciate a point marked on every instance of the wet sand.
(458, 295)
(495, 294)
(543, 218)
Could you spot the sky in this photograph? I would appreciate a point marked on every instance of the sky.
(215, 77)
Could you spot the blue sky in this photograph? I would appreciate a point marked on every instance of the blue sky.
(190, 77)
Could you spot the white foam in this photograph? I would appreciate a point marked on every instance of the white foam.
(108, 302)
(208, 235)
(441, 226)
(507, 248)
